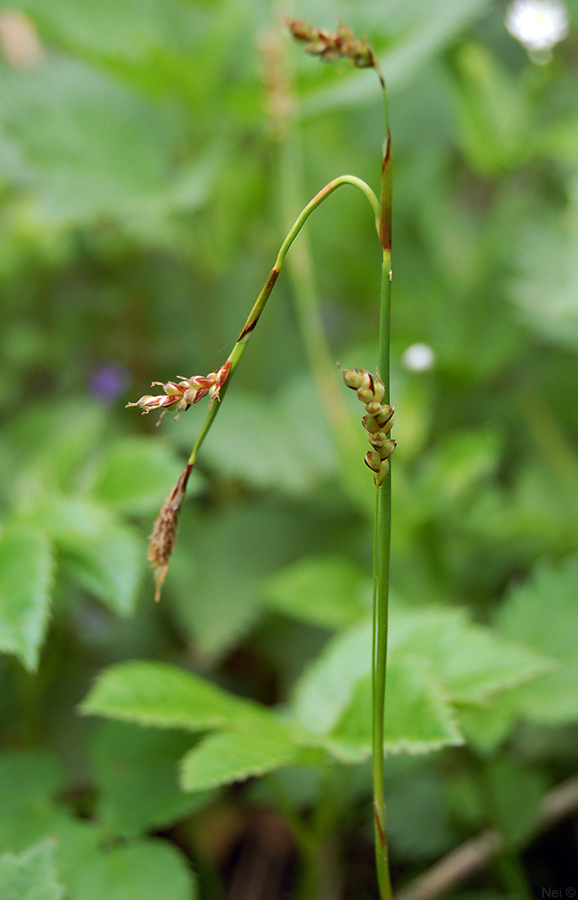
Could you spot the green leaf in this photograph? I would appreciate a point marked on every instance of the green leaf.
(136, 774)
(221, 602)
(327, 591)
(555, 238)
(515, 793)
(289, 454)
(55, 459)
(543, 614)
(326, 687)
(106, 556)
(70, 128)
(136, 474)
(144, 870)
(419, 822)
(486, 727)
(29, 783)
(466, 662)
(28, 778)
(154, 693)
(26, 567)
(418, 716)
(31, 876)
(492, 111)
(471, 662)
(229, 756)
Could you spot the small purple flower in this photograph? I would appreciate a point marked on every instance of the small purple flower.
(109, 382)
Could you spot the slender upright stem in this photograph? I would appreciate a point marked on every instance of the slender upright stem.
(382, 539)
(237, 352)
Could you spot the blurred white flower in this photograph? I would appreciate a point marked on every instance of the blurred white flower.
(538, 25)
(418, 357)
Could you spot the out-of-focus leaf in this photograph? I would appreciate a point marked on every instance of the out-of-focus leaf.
(154, 693)
(136, 474)
(325, 689)
(471, 662)
(486, 727)
(143, 870)
(227, 756)
(28, 778)
(106, 556)
(418, 717)
(289, 453)
(136, 773)
(217, 603)
(543, 614)
(26, 569)
(454, 468)
(327, 591)
(544, 287)
(537, 515)
(419, 824)
(491, 109)
(70, 430)
(30, 781)
(560, 140)
(515, 793)
(32, 875)
(89, 147)
(467, 663)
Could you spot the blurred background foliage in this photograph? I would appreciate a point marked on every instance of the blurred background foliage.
(152, 155)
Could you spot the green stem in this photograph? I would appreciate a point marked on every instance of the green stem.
(237, 352)
(382, 539)
(382, 542)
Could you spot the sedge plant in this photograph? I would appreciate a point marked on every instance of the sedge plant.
(372, 390)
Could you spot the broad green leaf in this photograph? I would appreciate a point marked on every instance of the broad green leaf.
(419, 823)
(70, 431)
(326, 687)
(536, 517)
(77, 840)
(106, 556)
(466, 662)
(228, 756)
(218, 603)
(542, 614)
(471, 662)
(492, 111)
(136, 474)
(515, 793)
(136, 774)
(554, 275)
(30, 782)
(28, 778)
(32, 875)
(454, 469)
(560, 140)
(131, 31)
(154, 693)
(144, 870)
(487, 726)
(327, 591)
(26, 567)
(418, 716)
(70, 127)
(269, 452)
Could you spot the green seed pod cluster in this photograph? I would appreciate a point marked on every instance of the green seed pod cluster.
(378, 420)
